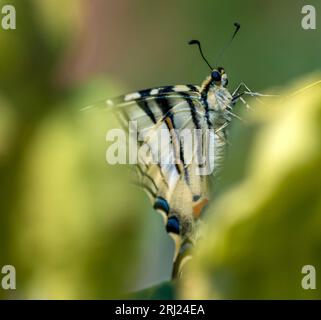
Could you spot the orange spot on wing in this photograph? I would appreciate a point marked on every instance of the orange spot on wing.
(198, 207)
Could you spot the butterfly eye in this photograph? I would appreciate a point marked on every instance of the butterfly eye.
(216, 76)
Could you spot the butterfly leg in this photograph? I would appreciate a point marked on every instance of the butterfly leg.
(237, 94)
(248, 91)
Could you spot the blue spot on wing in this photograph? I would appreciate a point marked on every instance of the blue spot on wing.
(161, 204)
(173, 225)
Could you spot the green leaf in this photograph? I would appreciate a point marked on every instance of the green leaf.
(265, 224)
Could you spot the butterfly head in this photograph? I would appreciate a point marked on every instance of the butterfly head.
(214, 91)
(219, 77)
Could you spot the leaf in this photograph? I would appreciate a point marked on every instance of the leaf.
(265, 224)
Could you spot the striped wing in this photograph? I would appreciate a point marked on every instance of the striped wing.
(175, 188)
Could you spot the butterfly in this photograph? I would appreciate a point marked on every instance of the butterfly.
(176, 188)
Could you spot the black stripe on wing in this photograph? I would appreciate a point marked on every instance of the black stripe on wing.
(152, 93)
(143, 104)
(156, 105)
(165, 107)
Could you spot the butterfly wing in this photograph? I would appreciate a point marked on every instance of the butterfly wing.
(175, 187)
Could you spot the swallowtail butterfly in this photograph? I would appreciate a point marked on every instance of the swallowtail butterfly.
(176, 190)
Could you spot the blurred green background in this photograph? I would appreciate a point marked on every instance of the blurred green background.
(72, 225)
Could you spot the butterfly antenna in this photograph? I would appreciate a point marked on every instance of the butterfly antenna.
(201, 52)
(237, 28)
